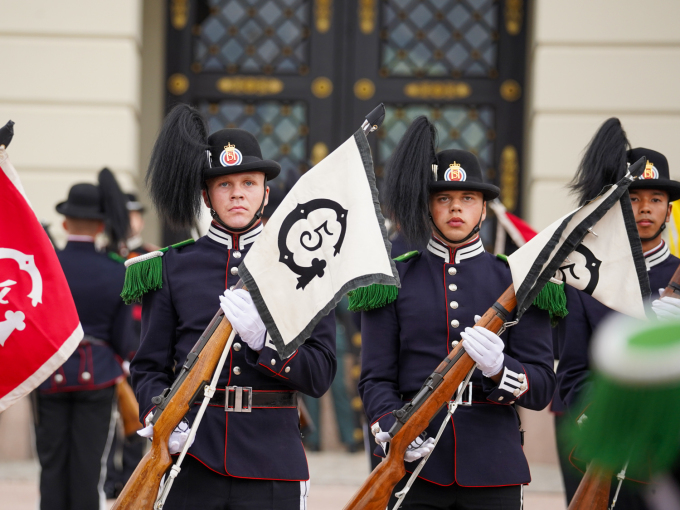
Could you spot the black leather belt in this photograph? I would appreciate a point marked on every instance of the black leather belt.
(478, 395)
(243, 399)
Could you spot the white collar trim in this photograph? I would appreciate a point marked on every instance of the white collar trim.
(227, 238)
(467, 251)
(656, 255)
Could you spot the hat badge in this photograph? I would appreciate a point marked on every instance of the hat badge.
(650, 171)
(231, 155)
(455, 173)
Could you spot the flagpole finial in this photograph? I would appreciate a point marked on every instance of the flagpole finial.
(635, 170)
(374, 119)
(6, 134)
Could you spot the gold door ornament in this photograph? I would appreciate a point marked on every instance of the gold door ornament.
(319, 151)
(509, 177)
(511, 90)
(514, 16)
(178, 84)
(437, 89)
(179, 13)
(364, 89)
(367, 16)
(322, 87)
(249, 85)
(323, 11)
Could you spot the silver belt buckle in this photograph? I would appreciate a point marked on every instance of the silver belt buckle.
(459, 395)
(238, 399)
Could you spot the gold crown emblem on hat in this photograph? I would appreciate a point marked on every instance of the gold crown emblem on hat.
(454, 166)
(229, 147)
(649, 166)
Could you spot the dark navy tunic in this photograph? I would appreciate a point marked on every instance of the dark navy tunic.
(265, 443)
(575, 331)
(442, 290)
(95, 281)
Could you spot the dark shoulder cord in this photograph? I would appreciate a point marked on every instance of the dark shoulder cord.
(252, 222)
(473, 232)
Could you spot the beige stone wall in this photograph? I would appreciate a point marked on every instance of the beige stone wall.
(71, 80)
(590, 60)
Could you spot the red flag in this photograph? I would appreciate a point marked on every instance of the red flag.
(39, 325)
(519, 231)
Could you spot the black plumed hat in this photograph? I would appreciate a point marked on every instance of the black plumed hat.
(460, 170)
(233, 151)
(184, 157)
(656, 174)
(603, 163)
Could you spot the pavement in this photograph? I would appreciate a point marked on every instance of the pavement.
(335, 477)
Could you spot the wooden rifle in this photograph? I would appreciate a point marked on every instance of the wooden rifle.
(414, 417)
(172, 405)
(128, 407)
(593, 491)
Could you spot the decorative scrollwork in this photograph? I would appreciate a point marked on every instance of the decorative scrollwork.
(509, 177)
(367, 15)
(514, 16)
(437, 89)
(249, 86)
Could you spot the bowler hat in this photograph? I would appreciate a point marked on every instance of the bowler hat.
(233, 151)
(459, 170)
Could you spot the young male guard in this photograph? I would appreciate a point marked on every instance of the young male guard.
(245, 456)
(605, 162)
(440, 200)
(74, 423)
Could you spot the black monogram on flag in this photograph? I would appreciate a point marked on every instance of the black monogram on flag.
(312, 238)
(590, 267)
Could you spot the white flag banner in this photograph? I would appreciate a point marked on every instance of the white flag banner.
(595, 248)
(325, 239)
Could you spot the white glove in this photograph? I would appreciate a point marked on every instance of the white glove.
(485, 348)
(239, 308)
(178, 438)
(417, 449)
(666, 308)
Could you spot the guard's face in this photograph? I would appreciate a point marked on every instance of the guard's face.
(456, 213)
(651, 209)
(238, 197)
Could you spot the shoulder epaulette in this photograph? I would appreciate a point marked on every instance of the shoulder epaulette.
(406, 256)
(145, 273)
(552, 298)
(377, 295)
(115, 257)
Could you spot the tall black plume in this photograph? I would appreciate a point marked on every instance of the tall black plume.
(6, 133)
(117, 219)
(408, 173)
(175, 174)
(603, 163)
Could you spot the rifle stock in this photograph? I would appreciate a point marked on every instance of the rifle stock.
(141, 490)
(375, 492)
(128, 407)
(593, 491)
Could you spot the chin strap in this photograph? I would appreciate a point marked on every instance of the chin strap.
(472, 233)
(256, 218)
(658, 233)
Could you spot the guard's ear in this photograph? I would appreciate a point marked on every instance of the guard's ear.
(266, 197)
(668, 213)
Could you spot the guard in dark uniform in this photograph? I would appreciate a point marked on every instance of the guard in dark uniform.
(604, 163)
(479, 462)
(74, 423)
(246, 455)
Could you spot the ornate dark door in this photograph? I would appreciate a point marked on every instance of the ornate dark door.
(302, 74)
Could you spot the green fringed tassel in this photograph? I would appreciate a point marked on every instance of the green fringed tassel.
(552, 299)
(371, 297)
(141, 278)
